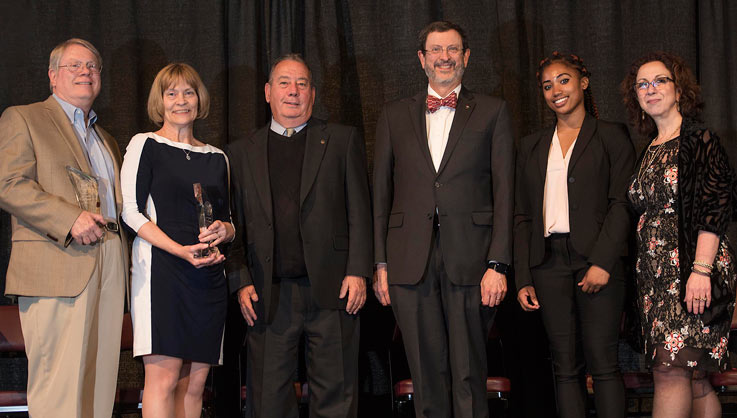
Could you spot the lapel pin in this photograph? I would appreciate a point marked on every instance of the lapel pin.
(468, 107)
(322, 141)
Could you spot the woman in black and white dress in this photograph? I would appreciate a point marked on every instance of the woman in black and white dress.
(178, 296)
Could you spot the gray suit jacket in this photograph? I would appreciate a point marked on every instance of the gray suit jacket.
(473, 190)
(335, 214)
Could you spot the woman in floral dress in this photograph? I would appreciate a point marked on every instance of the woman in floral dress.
(682, 191)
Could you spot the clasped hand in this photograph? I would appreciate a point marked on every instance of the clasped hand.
(215, 234)
(594, 279)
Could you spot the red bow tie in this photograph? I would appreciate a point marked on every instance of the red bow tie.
(433, 103)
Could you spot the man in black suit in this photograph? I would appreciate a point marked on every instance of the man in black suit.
(302, 251)
(443, 200)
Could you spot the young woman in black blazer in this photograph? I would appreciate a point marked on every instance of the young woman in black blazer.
(571, 228)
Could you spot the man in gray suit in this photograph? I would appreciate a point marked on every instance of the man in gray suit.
(443, 201)
(302, 250)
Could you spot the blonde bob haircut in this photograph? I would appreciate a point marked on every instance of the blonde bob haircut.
(166, 78)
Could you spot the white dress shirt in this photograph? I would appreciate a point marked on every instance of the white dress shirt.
(97, 155)
(277, 128)
(555, 197)
(438, 127)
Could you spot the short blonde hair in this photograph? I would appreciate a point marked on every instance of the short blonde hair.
(169, 75)
(58, 52)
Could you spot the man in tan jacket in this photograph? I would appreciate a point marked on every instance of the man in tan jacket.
(68, 266)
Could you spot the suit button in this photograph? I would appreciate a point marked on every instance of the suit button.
(268, 259)
(437, 184)
(571, 180)
(429, 216)
(268, 226)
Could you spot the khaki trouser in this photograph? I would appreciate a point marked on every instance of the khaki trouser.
(73, 344)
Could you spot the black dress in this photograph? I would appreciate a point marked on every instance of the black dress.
(672, 335)
(177, 309)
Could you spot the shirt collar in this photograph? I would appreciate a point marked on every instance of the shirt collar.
(76, 114)
(431, 92)
(277, 128)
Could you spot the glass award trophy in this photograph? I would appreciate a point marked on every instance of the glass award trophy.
(86, 191)
(204, 215)
(85, 188)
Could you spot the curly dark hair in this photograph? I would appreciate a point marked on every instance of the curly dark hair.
(690, 103)
(576, 63)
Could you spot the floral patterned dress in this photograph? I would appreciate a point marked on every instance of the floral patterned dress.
(672, 335)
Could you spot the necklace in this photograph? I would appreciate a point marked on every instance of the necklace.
(186, 153)
(648, 160)
(652, 156)
(669, 136)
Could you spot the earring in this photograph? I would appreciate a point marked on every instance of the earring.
(678, 106)
(642, 114)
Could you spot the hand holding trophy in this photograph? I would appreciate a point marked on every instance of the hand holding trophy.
(90, 227)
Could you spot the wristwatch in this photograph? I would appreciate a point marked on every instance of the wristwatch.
(498, 267)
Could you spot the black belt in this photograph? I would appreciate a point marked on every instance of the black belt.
(557, 236)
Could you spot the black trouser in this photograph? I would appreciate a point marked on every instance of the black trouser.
(444, 329)
(331, 343)
(581, 326)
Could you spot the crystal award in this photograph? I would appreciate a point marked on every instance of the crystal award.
(204, 215)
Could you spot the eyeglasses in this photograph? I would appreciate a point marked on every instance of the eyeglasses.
(437, 50)
(77, 66)
(657, 83)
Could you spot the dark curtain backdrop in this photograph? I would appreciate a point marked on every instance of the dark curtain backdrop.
(362, 54)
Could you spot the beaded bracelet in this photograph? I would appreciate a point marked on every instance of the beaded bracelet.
(701, 272)
(704, 265)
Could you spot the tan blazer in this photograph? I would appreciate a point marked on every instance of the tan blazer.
(37, 142)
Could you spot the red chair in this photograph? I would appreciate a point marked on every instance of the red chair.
(12, 344)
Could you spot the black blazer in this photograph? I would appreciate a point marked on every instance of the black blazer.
(472, 190)
(601, 164)
(335, 214)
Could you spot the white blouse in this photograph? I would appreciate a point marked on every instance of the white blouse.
(555, 197)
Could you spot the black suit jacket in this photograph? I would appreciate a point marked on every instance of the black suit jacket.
(335, 214)
(601, 165)
(472, 190)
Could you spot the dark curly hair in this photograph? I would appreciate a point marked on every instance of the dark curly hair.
(690, 103)
(576, 63)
